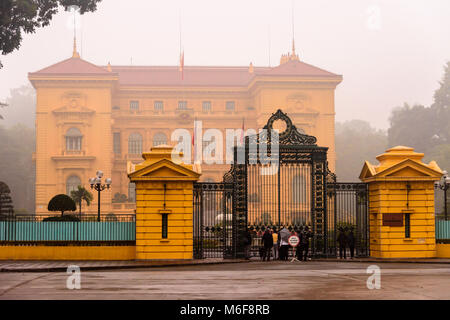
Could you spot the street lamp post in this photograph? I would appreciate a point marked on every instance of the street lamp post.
(96, 183)
(443, 184)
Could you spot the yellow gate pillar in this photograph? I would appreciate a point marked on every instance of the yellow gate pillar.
(164, 206)
(401, 204)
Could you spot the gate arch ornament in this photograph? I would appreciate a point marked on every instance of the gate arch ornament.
(290, 136)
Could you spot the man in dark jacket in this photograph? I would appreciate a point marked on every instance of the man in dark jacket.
(351, 243)
(267, 240)
(298, 249)
(304, 243)
(342, 240)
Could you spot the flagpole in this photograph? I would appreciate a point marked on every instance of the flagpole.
(193, 142)
(243, 130)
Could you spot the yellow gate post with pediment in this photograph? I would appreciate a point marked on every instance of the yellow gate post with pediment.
(164, 206)
(401, 204)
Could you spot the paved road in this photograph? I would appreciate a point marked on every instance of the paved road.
(255, 280)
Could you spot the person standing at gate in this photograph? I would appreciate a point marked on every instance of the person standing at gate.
(298, 249)
(284, 244)
(279, 245)
(342, 240)
(267, 240)
(275, 244)
(304, 243)
(351, 243)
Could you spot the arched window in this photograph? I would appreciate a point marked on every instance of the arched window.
(72, 184)
(159, 138)
(135, 143)
(73, 139)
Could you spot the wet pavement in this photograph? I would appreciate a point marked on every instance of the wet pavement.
(56, 265)
(255, 280)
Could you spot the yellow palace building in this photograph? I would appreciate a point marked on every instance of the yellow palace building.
(91, 117)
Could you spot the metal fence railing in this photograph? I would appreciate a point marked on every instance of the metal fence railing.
(38, 230)
(442, 229)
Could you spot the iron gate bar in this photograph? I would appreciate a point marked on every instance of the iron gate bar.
(350, 209)
(211, 233)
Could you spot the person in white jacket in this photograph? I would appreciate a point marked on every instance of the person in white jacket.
(284, 244)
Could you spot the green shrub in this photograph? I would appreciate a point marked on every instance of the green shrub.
(61, 202)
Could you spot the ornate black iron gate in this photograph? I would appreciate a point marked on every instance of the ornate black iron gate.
(278, 183)
(212, 220)
(288, 191)
(347, 212)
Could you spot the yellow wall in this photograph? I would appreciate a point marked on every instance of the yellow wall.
(310, 109)
(67, 253)
(59, 107)
(390, 242)
(443, 250)
(149, 203)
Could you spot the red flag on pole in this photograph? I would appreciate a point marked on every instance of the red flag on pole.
(193, 140)
(242, 133)
(182, 64)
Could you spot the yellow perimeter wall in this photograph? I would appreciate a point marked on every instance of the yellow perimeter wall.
(67, 253)
(104, 253)
(443, 250)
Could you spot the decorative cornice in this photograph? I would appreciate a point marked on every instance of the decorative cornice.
(68, 158)
(70, 82)
(76, 111)
(145, 91)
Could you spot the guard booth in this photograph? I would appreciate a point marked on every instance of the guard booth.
(164, 197)
(278, 180)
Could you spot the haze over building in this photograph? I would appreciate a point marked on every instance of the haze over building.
(91, 117)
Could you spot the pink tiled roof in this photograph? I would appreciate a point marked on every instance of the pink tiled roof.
(298, 68)
(72, 66)
(192, 75)
(210, 76)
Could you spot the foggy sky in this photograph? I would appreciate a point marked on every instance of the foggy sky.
(388, 52)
